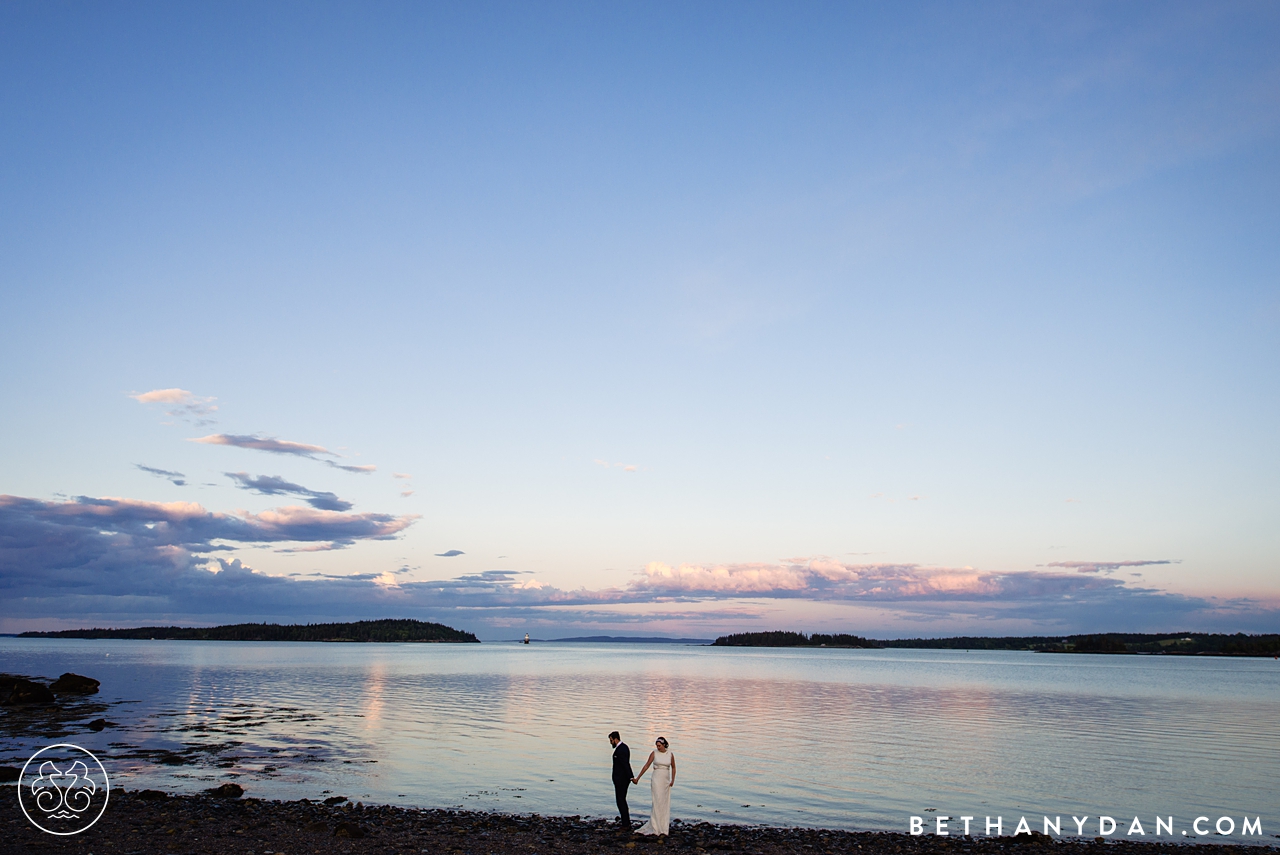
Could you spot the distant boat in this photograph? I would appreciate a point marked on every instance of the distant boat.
(526, 638)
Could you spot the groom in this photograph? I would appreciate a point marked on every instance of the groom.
(622, 776)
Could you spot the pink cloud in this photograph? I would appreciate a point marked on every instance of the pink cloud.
(281, 446)
(826, 578)
(164, 396)
(1104, 566)
(261, 443)
(187, 405)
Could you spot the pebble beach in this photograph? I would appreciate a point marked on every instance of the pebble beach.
(149, 821)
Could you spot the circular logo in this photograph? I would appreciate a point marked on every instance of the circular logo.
(63, 789)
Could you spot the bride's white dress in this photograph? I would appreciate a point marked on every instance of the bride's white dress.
(660, 783)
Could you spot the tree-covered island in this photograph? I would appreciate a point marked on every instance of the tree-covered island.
(793, 639)
(365, 630)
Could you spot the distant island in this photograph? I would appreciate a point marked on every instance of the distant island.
(794, 639)
(1171, 644)
(623, 639)
(365, 630)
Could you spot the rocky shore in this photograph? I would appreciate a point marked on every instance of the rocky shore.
(146, 822)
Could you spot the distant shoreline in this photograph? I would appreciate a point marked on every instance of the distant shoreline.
(412, 631)
(623, 639)
(1160, 644)
(420, 632)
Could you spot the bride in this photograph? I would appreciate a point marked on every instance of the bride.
(664, 778)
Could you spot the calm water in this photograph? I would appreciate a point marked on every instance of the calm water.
(840, 738)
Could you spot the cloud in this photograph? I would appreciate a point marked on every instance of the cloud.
(163, 396)
(176, 477)
(274, 485)
(1054, 601)
(828, 579)
(403, 475)
(263, 443)
(345, 467)
(316, 547)
(186, 405)
(272, 445)
(98, 558)
(450, 554)
(625, 467)
(191, 526)
(404, 494)
(111, 560)
(1105, 566)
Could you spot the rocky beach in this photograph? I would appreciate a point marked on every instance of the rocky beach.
(149, 821)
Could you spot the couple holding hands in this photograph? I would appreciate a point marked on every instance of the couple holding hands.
(661, 781)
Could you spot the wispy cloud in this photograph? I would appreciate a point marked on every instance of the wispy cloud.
(185, 404)
(274, 485)
(176, 478)
(264, 443)
(348, 467)
(403, 475)
(450, 554)
(1105, 566)
(625, 467)
(315, 547)
(271, 445)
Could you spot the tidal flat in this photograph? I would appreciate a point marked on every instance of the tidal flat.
(149, 821)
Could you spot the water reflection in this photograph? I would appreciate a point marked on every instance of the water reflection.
(841, 738)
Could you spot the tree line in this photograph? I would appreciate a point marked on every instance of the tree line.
(365, 630)
(1173, 644)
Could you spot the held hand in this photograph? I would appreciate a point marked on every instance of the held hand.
(635, 780)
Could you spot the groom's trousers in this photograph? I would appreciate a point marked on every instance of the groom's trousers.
(620, 790)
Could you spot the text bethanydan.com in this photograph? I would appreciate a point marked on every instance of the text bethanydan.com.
(1102, 826)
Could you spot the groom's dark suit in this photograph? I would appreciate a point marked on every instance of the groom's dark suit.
(622, 776)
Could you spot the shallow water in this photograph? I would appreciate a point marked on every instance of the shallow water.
(839, 738)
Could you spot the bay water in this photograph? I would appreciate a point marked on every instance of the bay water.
(857, 739)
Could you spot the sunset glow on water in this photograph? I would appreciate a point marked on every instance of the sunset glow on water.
(840, 738)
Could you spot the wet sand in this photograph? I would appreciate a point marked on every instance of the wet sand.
(141, 823)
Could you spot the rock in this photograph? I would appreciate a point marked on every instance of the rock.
(99, 724)
(348, 829)
(152, 795)
(335, 800)
(227, 791)
(317, 827)
(1032, 837)
(74, 684)
(9, 773)
(29, 692)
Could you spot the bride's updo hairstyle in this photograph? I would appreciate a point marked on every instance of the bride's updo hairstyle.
(664, 742)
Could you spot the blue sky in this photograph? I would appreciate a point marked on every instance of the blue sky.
(681, 318)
